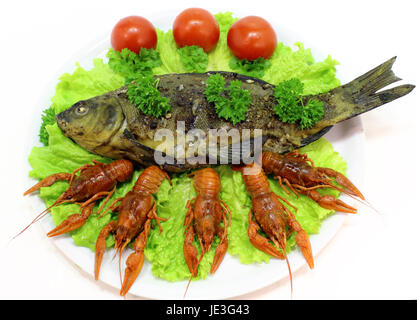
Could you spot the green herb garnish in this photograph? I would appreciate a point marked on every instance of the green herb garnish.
(312, 112)
(252, 68)
(132, 65)
(144, 94)
(291, 108)
(194, 58)
(231, 103)
(215, 87)
(48, 118)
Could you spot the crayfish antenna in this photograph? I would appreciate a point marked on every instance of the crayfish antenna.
(120, 246)
(367, 203)
(120, 269)
(288, 263)
(42, 214)
(359, 198)
(289, 270)
(194, 273)
(362, 201)
(188, 284)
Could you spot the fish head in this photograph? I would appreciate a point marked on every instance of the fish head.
(92, 123)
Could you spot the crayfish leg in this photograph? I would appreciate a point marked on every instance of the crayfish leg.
(80, 169)
(112, 207)
(105, 201)
(302, 156)
(153, 215)
(97, 197)
(48, 181)
(134, 262)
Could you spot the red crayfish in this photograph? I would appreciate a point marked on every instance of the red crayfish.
(298, 172)
(275, 220)
(135, 213)
(94, 182)
(205, 212)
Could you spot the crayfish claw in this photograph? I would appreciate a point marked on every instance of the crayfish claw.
(260, 242)
(48, 181)
(343, 181)
(134, 264)
(73, 222)
(190, 252)
(330, 202)
(219, 253)
(303, 242)
(101, 246)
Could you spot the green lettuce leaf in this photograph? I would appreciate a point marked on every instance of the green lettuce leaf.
(83, 84)
(193, 58)
(253, 68)
(317, 77)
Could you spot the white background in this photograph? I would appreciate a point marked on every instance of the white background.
(373, 256)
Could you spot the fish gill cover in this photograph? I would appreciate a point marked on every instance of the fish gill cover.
(164, 249)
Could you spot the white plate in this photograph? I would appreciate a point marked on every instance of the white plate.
(233, 278)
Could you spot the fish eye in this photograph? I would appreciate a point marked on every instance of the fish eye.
(81, 110)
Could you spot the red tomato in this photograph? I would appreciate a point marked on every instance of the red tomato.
(251, 38)
(133, 33)
(196, 27)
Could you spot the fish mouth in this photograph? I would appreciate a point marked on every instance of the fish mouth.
(62, 120)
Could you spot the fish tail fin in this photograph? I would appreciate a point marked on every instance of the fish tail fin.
(358, 96)
(364, 90)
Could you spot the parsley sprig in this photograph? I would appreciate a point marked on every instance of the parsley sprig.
(142, 88)
(144, 94)
(231, 103)
(291, 108)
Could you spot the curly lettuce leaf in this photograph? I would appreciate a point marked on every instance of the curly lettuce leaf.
(317, 77)
(83, 84)
(131, 65)
(193, 58)
(253, 68)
